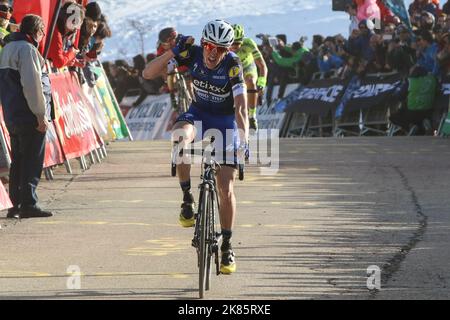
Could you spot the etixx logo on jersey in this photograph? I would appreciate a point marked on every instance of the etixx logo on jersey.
(234, 72)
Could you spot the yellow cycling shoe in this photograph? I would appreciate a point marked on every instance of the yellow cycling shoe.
(187, 210)
(186, 223)
(228, 262)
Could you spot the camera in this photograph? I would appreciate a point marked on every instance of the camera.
(273, 42)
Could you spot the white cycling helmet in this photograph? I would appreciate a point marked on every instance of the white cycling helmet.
(219, 32)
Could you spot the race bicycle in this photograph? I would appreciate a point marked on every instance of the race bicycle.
(206, 238)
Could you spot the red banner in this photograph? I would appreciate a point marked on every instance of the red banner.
(42, 8)
(73, 124)
(5, 202)
(53, 152)
(5, 147)
(5, 130)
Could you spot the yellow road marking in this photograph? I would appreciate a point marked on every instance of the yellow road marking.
(159, 247)
(94, 222)
(51, 222)
(178, 275)
(132, 224)
(121, 201)
(19, 274)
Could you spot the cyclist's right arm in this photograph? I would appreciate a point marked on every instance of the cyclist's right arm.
(157, 66)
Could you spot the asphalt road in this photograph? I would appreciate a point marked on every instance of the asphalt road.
(310, 231)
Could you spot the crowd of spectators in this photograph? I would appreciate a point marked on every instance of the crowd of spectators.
(128, 80)
(77, 40)
(377, 42)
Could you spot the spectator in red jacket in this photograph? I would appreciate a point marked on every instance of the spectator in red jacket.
(62, 51)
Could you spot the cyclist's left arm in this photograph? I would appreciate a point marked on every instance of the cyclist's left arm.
(240, 99)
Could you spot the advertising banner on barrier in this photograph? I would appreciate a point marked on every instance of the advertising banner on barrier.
(73, 123)
(53, 152)
(149, 121)
(319, 97)
(5, 202)
(372, 91)
(112, 109)
(268, 116)
(5, 158)
(98, 117)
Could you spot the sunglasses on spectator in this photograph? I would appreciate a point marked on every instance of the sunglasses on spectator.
(210, 47)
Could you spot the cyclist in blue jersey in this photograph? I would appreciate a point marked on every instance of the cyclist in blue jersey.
(219, 103)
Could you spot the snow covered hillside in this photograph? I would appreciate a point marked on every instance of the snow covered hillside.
(294, 18)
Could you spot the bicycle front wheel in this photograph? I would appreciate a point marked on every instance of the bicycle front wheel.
(204, 246)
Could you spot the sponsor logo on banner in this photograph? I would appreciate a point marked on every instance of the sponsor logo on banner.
(321, 94)
(372, 90)
(149, 121)
(73, 123)
(75, 116)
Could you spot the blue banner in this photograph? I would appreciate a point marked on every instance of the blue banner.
(398, 8)
(293, 96)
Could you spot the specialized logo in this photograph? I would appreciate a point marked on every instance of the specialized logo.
(234, 72)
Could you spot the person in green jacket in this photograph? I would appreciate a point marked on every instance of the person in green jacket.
(289, 62)
(420, 91)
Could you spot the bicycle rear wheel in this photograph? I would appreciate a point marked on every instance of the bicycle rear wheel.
(183, 96)
(204, 246)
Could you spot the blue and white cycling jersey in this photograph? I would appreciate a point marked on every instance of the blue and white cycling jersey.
(213, 102)
(214, 90)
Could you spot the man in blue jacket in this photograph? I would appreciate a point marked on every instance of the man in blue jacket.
(427, 52)
(25, 111)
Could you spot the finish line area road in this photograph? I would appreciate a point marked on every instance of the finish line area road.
(335, 208)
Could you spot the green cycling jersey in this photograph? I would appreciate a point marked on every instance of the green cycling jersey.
(248, 52)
